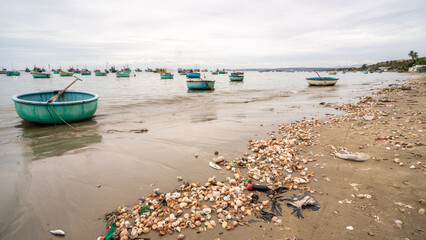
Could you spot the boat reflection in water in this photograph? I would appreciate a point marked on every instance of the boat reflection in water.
(53, 141)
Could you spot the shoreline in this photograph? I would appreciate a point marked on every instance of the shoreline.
(328, 178)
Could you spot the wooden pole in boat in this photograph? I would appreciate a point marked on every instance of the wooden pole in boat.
(205, 81)
(53, 99)
(318, 74)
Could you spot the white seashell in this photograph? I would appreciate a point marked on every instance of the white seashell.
(57, 232)
(207, 210)
(215, 166)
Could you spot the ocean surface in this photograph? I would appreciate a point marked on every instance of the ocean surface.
(49, 174)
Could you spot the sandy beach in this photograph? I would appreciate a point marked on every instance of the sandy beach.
(377, 198)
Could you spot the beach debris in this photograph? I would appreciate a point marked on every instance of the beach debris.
(181, 236)
(179, 178)
(215, 166)
(368, 118)
(260, 188)
(196, 155)
(357, 157)
(98, 186)
(421, 211)
(267, 216)
(298, 203)
(422, 201)
(219, 159)
(350, 228)
(362, 196)
(398, 224)
(57, 232)
(143, 130)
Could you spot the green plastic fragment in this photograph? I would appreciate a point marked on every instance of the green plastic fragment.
(111, 232)
(144, 209)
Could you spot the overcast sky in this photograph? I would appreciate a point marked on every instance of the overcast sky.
(210, 34)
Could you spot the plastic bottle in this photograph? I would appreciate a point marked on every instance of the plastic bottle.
(260, 188)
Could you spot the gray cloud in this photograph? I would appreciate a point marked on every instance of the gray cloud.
(211, 34)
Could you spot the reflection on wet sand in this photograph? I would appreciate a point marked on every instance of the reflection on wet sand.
(50, 141)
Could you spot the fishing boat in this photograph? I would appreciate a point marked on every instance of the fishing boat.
(56, 71)
(199, 84)
(100, 73)
(86, 72)
(237, 73)
(365, 72)
(66, 74)
(122, 74)
(236, 77)
(322, 81)
(221, 72)
(71, 106)
(40, 75)
(332, 73)
(76, 71)
(166, 75)
(27, 70)
(215, 73)
(138, 70)
(3, 71)
(13, 73)
(192, 75)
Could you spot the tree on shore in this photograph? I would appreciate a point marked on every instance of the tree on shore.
(413, 54)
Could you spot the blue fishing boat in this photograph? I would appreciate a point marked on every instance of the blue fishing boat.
(192, 75)
(322, 81)
(13, 73)
(365, 72)
(71, 106)
(199, 84)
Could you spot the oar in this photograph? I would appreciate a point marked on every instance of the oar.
(211, 88)
(53, 99)
(318, 74)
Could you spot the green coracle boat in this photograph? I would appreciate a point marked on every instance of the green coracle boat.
(122, 74)
(40, 75)
(66, 74)
(71, 106)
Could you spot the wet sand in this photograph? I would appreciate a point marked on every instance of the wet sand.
(395, 190)
(53, 185)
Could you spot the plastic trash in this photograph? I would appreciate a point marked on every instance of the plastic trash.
(357, 157)
(260, 188)
(298, 203)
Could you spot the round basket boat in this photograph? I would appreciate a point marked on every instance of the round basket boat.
(71, 106)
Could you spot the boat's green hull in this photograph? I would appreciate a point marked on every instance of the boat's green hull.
(86, 73)
(66, 74)
(167, 76)
(43, 113)
(41, 75)
(100, 74)
(236, 78)
(120, 75)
